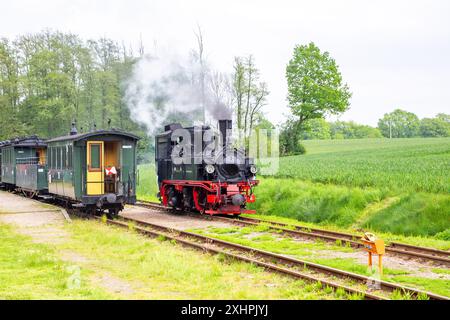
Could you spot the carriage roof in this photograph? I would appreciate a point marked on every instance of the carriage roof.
(31, 141)
(82, 136)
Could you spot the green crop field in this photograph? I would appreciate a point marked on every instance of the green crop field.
(402, 164)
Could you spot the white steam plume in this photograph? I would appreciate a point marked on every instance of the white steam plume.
(164, 88)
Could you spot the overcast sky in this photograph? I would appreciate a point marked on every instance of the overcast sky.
(391, 53)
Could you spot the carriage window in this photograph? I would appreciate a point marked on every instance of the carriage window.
(54, 157)
(57, 157)
(95, 153)
(64, 157)
(61, 157)
(69, 157)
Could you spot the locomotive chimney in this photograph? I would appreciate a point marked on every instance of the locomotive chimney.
(225, 125)
(73, 130)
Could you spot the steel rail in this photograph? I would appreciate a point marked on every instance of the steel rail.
(267, 259)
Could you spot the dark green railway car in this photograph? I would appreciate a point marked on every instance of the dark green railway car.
(1, 144)
(23, 164)
(96, 170)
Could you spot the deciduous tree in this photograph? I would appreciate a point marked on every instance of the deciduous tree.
(399, 124)
(315, 85)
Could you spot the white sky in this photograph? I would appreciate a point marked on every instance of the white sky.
(391, 53)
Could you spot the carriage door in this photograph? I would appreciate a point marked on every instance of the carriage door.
(128, 169)
(95, 164)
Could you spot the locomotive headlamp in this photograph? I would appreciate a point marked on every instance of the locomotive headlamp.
(253, 169)
(209, 168)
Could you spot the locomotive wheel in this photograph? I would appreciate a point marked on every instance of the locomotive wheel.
(113, 213)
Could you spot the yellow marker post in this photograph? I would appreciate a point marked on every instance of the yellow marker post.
(374, 246)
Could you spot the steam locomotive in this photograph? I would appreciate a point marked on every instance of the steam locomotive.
(199, 169)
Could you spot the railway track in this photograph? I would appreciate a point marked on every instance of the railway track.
(350, 283)
(438, 257)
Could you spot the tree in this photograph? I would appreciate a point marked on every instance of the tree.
(9, 90)
(201, 61)
(399, 124)
(435, 127)
(249, 94)
(290, 139)
(353, 130)
(220, 87)
(239, 91)
(316, 129)
(315, 85)
(444, 117)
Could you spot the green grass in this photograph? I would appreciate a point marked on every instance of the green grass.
(313, 202)
(401, 164)
(441, 271)
(438, 286)
(160, 269)
(150, 268)
(148, 186)
(415, 214)
(34, 271)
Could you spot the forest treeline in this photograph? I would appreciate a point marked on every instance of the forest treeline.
(397, 124)
(49, 79)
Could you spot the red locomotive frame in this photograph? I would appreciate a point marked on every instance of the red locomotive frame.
(217, 201)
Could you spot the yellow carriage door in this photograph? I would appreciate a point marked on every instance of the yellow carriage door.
(95, 163)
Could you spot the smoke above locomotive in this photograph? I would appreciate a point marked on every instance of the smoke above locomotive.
(167, 87)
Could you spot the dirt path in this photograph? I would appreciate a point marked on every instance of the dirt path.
(181, 222)
(44, 223)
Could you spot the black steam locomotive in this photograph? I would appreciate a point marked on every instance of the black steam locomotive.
(200, 169)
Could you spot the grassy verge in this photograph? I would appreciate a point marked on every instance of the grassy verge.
(417, 214)
(34, 271)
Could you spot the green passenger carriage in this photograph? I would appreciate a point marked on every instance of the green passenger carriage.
(23, 165)
(93, 170)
